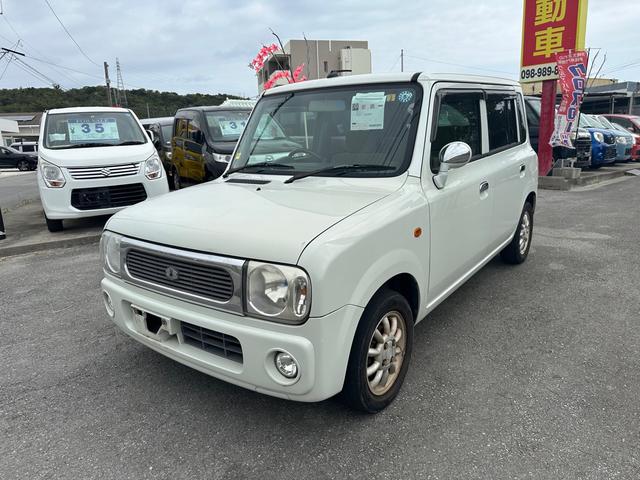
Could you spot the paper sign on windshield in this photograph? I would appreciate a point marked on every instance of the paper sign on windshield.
(95, 129)
(367, 111)
(230, 128)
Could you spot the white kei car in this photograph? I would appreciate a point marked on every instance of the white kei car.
(350, 209)
(95, 161)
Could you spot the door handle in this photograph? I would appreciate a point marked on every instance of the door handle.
(523, 167)
(484, 186)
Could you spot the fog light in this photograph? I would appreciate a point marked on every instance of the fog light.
(286, 365)
(108, 304)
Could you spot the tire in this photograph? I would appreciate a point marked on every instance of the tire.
(53, 225)
(23, 166)
(170, 180)
(177, 183)
(394, 353)
(517, 251)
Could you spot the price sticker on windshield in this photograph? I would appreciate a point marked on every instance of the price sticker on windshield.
(231, 128)
(367, 111)
(82, 130)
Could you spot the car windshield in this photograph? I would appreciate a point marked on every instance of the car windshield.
(226, 125)
(369, 129)
(166, 133)
(91, 129)
(607, 124)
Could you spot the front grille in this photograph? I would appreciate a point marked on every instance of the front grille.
(609, 139)
(205, 281)
(610, 152)
(627, 152)
(107, 197)
(110, 171)
(213, 342)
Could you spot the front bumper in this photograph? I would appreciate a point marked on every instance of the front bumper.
(320, 346)
(57, 202)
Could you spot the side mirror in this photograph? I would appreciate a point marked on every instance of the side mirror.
(151, 135)
(453, 155)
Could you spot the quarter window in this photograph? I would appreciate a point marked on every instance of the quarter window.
(458, 120)
(502, 122)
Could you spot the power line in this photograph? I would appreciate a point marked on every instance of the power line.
(31, 47)
(470, 67)
(69, 34)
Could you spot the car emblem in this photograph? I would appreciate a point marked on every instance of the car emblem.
(105, 172)
(171, 273)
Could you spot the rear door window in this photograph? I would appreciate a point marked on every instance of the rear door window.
(502, 121)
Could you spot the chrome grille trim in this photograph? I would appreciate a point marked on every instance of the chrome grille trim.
(108, 171)
(205, 279)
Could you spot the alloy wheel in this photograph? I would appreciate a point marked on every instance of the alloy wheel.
(525, 233)
(386, 353)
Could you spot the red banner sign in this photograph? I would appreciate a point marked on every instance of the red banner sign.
(550, 27)
(572, 69)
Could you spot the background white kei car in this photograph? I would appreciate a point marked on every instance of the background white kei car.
(351, 208)
(95, 161)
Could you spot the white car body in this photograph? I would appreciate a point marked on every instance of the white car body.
(351, 236)
(102, 166)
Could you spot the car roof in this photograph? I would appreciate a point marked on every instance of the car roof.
(87, 109)
(213, 108)
(160, 120)
(374, 78)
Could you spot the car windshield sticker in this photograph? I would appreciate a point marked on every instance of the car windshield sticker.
(231, 128)
(405, 96)
(57, 137)
(367, 111)
(82, 130)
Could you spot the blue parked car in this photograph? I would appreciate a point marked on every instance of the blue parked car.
(603, 142)
(624, 140)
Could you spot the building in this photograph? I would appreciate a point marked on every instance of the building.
(28, 127)
(621, 98)
(7, 128)
(320, 57)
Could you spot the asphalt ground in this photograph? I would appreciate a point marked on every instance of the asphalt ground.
(17, 188)
(525, 372)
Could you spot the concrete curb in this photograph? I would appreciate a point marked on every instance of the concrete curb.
(38, 247)
(561, 183)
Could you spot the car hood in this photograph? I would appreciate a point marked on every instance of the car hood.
(98, 156)
(272, 222)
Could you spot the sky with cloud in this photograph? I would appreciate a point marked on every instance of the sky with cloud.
(205, 46)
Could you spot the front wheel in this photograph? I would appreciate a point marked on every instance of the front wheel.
(23, 166)
(53, 225)
(517, 251)
(380, 353)
(177, 183)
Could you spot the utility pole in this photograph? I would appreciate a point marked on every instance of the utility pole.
(106, 79)
(402, 59)
(148, 114)
(122, 92)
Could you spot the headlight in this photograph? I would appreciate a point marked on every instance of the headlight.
(110, 252)
(52, 175)
(599, 137)
(278, 292)
(572, 136)
(153, 167)
(621, 140)
(221, 158)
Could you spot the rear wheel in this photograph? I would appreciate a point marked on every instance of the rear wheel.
(53, 225)
(23, 165)
(380, 353)
(517, 251)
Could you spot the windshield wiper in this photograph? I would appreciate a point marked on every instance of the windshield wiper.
(257, 165)
(83, 145)
(339, 169)
(129, 142)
